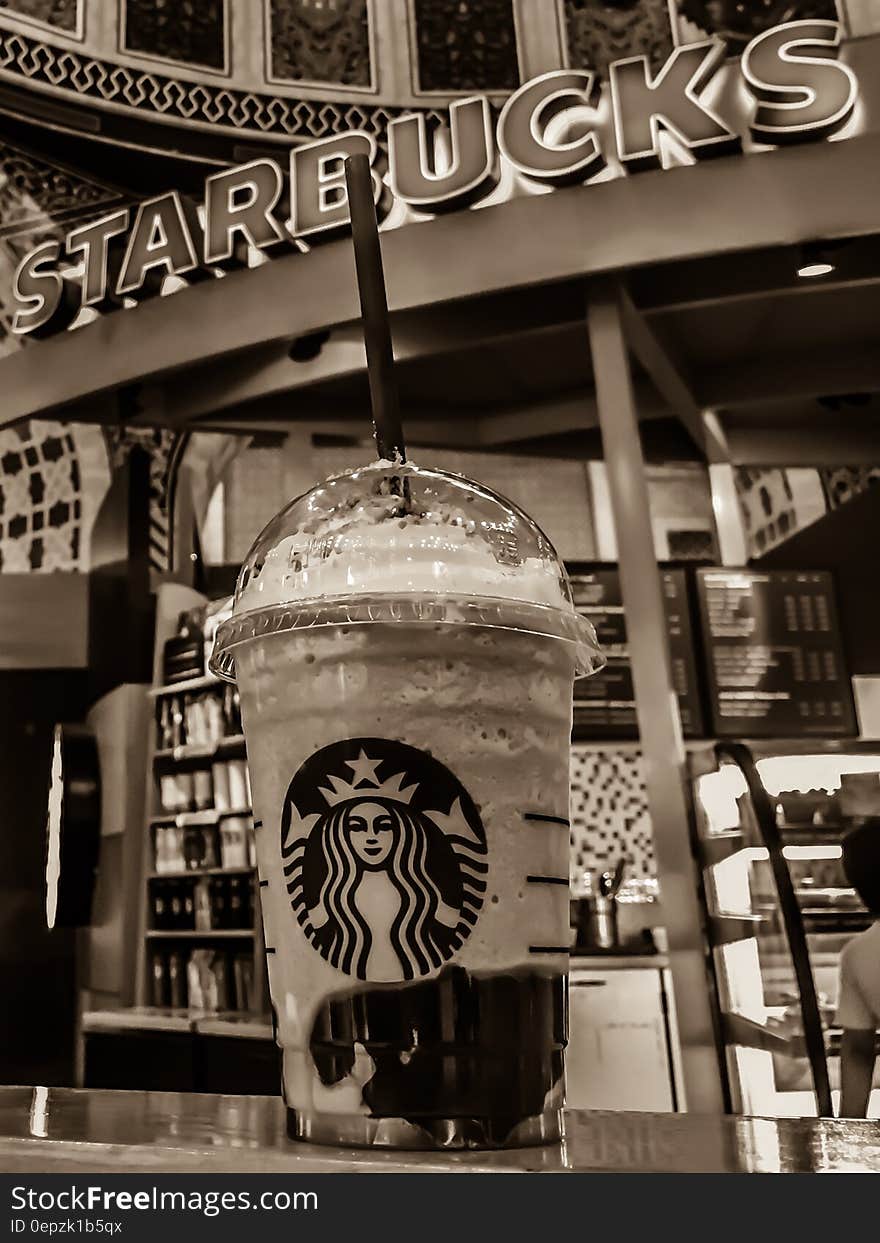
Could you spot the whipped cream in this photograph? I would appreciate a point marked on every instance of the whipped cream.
(356, 535)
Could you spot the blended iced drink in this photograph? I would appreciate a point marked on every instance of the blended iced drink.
(405, 644)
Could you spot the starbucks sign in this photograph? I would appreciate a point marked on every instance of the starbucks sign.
(552, 131)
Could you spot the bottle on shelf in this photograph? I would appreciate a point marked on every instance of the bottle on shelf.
(234, 832)
(158, 979)
(203, 789)
(183, 656)
(165, 736)
(243, 976)
(159, 905)
(231, 711)
(219, 902)
(239, 784)
(176, 980)
(203, 908)
(220, 774)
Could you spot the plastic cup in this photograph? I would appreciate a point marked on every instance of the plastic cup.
(405, 643)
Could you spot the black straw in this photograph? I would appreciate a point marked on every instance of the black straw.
(387, 427)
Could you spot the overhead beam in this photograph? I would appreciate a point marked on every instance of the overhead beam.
(446, 426)
(448, 433)
(671, 380)
(782, 377)
(772, 275)
(771, 293)
(547, 418)
(450, 427)
(430, 332)
(837, 443)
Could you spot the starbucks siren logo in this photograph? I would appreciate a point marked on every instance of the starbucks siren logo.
(385, 858)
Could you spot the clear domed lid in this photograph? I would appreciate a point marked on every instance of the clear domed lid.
(403, 543)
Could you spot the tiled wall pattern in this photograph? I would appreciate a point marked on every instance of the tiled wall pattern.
(776, 503)
(609, 812)
(844, 483)
(52, 479)
(39, 499)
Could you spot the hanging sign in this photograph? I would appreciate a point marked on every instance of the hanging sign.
(775, 660)
(799, 89)
(605, 704)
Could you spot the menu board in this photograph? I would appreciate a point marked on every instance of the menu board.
(774, 654)
(605, 704)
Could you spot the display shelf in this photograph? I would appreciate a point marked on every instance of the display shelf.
(201, 683)
(233, 1023)
(811, 914)
(198, 1022)
(188, 872)
(832, 893)
(728, 927)
(822, 923)
(156, 945)
(832, 830)
(234, 744)
(749, 1034)
(716, 847)
(137, 1018)
(818, 850)
(195, 819)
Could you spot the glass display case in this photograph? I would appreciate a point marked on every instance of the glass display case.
(770, 820)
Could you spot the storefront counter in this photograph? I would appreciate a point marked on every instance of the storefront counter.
(58, 1130)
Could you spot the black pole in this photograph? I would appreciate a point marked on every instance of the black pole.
(793, 922)
(387, 427)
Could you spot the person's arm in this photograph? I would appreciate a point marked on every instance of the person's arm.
(856, 1071)
(856, 1018)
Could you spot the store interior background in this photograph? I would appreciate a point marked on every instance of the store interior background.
(517, 414)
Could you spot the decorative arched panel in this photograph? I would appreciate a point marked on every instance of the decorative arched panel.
(321, 42)
(39, 202)
(465, 45)
(65, 16)
(286, 70)
(597, 32)
(191, 32)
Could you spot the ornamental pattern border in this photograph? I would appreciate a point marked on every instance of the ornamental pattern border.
(35, 191)
(198, 102)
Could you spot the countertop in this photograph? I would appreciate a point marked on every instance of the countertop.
(585, 960)
(62, 1130)
(153, 1018)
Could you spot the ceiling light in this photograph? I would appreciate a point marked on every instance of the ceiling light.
(815, 261)
(810, 270)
